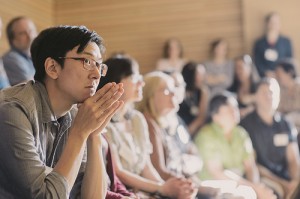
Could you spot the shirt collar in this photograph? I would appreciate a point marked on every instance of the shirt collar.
(47, 112)
(276, 117)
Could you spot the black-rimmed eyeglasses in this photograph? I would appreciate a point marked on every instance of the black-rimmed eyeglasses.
(90, 64)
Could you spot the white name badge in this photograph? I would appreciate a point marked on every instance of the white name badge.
(271, 54)
(281, 140)
(194, 110)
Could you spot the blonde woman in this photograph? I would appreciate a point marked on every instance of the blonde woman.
(158, 101)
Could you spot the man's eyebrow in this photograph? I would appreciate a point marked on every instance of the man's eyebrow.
(88, 53)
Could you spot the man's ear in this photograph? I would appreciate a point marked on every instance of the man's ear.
(52, 68)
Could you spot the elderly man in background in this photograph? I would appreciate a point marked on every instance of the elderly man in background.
(17, 61)
(274, 140)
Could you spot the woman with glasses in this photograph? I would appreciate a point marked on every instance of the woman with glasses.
(158, 101)
(129, 139)
(176, 127)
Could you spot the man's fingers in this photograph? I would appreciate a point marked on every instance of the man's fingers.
(101, 92)
(108, 114)
(113, 94)
(101, 107)
(106, 103)
(111, 110)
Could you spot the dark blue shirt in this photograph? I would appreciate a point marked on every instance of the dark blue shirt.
(19, 67)
(270, 141)
(283, 47)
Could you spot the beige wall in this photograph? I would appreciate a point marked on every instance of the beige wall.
(40, 11)
(253, 20)
(140, 27)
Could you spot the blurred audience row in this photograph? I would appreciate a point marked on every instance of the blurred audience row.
(260, 152)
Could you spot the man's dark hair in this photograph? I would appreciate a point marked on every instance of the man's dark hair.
(9, 29)
(55, 42)
(217, 101)
(119, 68)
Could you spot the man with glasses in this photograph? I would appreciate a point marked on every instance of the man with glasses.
(49, 147)
(17, 61)
(274, 139)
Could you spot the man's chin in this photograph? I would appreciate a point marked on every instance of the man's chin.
(84, 98)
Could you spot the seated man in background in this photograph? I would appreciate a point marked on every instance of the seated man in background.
(4, 83)
(48, 147)
(274, 139)
(17, 61)
(226, 148)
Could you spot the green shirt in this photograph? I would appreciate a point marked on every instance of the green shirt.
(213, 145)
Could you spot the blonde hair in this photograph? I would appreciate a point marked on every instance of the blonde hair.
(152, 80)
